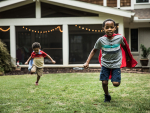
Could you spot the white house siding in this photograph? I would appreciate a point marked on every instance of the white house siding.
(64, 22)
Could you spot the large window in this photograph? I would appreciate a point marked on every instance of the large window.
(50, 38)
(82, 39)
(142, 1)
(49, 10)
(5, 35)
(26, 11)
(134, 40)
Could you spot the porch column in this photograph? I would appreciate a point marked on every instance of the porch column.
(104, 2)
(65, 48)
(13, 43)
(38, 9)
(118, 3)
(121, 27)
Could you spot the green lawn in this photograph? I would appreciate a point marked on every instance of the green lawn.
(73, 93)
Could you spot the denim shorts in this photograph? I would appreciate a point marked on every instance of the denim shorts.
(105, 72)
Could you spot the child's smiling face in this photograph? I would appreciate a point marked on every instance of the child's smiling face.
(36, 50)
(109, 28)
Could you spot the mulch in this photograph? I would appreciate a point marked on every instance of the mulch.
(24, 71)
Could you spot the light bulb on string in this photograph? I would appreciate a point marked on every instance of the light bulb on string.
(5, 30)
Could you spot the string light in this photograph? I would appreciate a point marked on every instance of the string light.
(58, 27)
(92, 29)
(5, 30)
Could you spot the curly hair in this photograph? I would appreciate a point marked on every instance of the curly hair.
(36, 45)
(109, 20)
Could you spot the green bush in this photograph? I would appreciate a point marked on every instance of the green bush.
(146, 51)
(5, 59)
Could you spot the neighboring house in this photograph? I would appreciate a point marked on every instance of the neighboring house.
(68, 29)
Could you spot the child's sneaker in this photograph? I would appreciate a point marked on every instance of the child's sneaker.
(107, 98)
(36, 83)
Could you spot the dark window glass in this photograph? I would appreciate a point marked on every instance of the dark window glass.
(141, 1)
(82, 39)
(49, 10)
(112, 3)
(134, 40)
(50, 38)
(5, 36)
(26, 11)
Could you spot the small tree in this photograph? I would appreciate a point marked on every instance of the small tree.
(146, 51)
(5, 58)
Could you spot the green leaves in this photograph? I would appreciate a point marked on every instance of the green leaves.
(5, 58)
(146, 51)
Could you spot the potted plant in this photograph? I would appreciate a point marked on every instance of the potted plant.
(1, 71)
(146, 51)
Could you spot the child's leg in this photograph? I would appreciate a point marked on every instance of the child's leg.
(104, 76)
(105, 86)
(38, 78)
(33, 70)
(116, 77)
(39, 74)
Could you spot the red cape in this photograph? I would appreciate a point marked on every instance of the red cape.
(125, 63)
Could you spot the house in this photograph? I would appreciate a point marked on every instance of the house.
(68, 29)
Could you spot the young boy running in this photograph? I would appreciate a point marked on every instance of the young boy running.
(111, 57)
(37, 60)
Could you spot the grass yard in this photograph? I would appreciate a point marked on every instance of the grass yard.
(73, 93)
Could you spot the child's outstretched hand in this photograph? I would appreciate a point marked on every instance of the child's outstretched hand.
(53, 61)
(26, 63)
(85, 65)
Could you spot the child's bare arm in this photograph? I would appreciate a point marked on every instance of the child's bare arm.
(51, 59)
(127, 55)
(28, 60)
(86, 64)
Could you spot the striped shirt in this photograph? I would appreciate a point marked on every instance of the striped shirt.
(111, 51)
